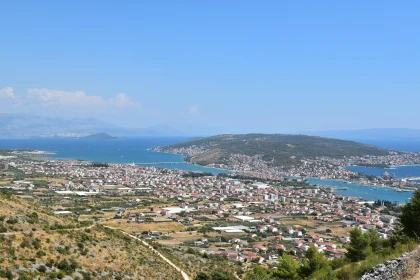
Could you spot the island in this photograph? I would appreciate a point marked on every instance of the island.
(274, 149)
(100, 136)
(276, 155)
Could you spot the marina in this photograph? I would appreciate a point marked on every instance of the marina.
(369, 193)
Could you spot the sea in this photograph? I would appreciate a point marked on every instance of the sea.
(137, 150)
(130, 150)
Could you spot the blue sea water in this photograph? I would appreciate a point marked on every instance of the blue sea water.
(403, 145)
(137, 150)
(126, 151)
(395, 171)
(369, 193)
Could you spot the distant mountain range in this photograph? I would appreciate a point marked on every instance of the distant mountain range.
(24, 125)
(370, 134)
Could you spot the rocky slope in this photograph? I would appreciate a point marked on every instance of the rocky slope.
(34, 244)
(402, 268)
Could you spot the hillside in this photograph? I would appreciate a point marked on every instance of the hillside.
(277, 149)
(34, 244)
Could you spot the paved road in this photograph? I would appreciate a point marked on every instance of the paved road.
(184, 275)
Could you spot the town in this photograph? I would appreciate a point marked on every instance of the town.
(244, 219)
(320, 167)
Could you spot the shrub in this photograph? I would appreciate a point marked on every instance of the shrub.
(42, 268)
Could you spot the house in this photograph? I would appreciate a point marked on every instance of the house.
(205, 240)
(258, 248)
(278, 237)
(234, 240)
(270, 256)
(269, 220)
(261, 228)
(298, 234)
(339, 255)
(179, 219)
(345, 239)
(250, 256)
(330, 245)
(233, 256)
(132, 217)
(303, 248)
(316, 238)
(289, 230)
(243, 243)
(230, 256)
(279, 247)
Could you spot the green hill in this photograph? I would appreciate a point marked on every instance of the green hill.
(277, 149)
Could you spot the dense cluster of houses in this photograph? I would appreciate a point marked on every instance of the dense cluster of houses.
(254, 208)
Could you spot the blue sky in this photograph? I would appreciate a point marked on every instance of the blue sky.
(214, 66)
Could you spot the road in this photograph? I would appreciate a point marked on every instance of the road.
(184, 275)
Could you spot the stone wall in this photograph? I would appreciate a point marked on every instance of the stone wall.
(403, 267)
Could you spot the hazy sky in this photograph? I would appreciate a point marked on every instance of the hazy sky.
(214, 65)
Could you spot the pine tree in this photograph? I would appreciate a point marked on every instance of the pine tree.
(409, 218)
(358, 247)
(287, 269)
(314, 261)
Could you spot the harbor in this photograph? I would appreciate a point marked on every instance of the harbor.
(365, 192)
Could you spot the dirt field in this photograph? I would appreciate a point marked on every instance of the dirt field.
(135, 227)
(304, 223)
(52, 180)
(171, 242)
(336, 230)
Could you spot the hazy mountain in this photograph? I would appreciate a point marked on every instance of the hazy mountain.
(34, 125)
(100, 136)
(371, 134)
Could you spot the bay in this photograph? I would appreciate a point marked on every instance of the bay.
(124, 151)
(395, 171)
(369, 193)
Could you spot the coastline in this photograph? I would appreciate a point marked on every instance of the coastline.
(335, 180)
(323, 182)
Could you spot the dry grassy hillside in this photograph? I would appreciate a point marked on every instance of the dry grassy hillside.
(35, 244)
